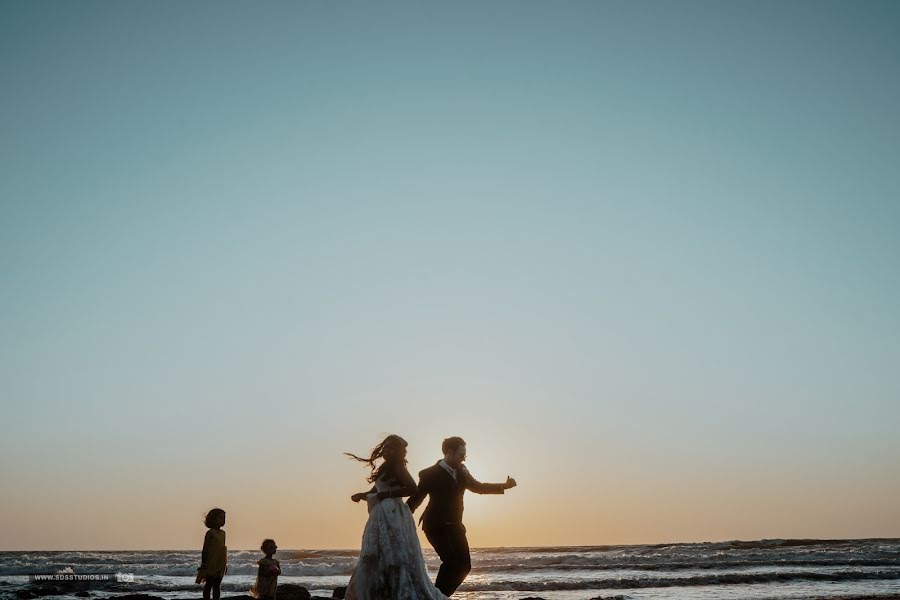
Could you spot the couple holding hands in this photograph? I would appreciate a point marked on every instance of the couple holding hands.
(391, 565)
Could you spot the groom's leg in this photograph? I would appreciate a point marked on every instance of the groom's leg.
(463, 559)
(445, 543)
(450, 543)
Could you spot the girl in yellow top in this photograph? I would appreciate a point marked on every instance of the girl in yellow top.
(214, 558)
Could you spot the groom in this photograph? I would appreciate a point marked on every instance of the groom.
(446, 482)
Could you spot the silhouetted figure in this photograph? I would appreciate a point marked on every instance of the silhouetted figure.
(391, 565)
(267, 575)
(214, 557)
(445, 483)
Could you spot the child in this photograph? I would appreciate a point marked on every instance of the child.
(214, 558)
(267, 575)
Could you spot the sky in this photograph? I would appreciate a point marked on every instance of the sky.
(642, 256)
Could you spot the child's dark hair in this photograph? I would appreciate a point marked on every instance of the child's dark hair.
(265, 543)
(212, 517)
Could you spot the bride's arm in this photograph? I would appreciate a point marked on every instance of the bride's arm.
(362, 495)
(406, 481)
(422, 490)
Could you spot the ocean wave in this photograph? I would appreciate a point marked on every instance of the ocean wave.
(795, 543)
(653, 582)
(190, 570)
(315, 554)
(525, 584)
(774, 554)
(678, 566)
(243, 563)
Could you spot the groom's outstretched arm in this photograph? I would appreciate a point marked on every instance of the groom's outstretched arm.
(423, 490)
(476, 486)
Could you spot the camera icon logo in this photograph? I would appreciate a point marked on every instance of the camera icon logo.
(125, 577)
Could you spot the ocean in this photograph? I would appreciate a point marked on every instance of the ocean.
(767, 569)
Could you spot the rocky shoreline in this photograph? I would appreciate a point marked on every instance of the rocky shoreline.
(297, 592)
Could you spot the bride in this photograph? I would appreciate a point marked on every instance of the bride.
(391, 566)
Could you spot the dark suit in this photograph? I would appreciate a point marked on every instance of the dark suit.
(442, 519)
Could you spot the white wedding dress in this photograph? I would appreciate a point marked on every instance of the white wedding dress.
(391, 565)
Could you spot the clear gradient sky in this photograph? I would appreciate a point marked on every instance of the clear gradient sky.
(643, 256)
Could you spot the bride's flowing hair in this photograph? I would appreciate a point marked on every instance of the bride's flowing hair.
(383, 450)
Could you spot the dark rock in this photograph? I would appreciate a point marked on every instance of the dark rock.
(82, 594)
(339, 592)
(47, 591)
(25, 594)
(235, 597)
(138, 597)
(292, 591)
